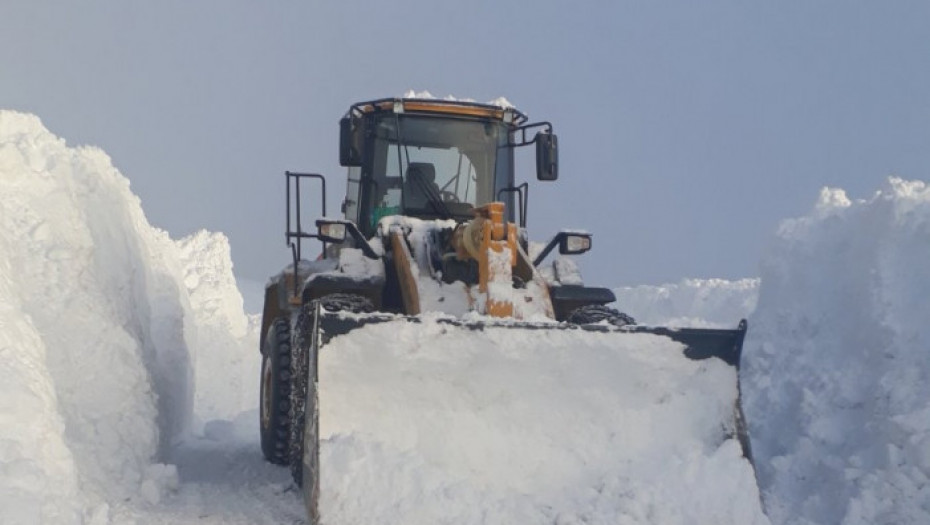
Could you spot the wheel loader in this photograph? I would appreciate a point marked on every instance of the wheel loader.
(433, 220)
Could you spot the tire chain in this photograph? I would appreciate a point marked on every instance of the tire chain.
(281, 351)
(300, 352)
(594, 313)
(300, 370)
(345, 302)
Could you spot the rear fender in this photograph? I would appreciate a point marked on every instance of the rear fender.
(276, 305)
(567, 298)
(324, 284)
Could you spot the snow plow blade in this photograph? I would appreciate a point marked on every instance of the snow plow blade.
(394, 388)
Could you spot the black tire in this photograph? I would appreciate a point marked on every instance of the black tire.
(300, 372)
(275, 392)
(346, 302)
(303, 363)
(595, 313)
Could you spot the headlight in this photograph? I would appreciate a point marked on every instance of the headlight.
(332, 231)
(577, 243)
(574, 243)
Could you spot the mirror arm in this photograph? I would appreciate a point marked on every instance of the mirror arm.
(361, 241)
(522, 131)
(353, 232)
(548, 249)
(523, 190)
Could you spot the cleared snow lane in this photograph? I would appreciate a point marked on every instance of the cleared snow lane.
(223, 479)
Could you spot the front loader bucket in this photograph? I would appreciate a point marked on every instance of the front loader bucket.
(433, 419)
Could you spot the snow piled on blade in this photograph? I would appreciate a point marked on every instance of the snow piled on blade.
(431, 423)
(98, 338)
(836, 386)
(699, 303)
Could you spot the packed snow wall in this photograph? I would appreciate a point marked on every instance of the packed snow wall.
(227, 363)
(836, 376)
(699, 303)
(101, 320)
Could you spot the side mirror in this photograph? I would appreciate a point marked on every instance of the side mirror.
(351, 140)
(547, 156)
(334, 232)
(574, 243)
(570, 243)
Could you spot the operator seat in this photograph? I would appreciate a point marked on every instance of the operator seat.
(420, 179)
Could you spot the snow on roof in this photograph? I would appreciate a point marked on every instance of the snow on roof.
(500, 102)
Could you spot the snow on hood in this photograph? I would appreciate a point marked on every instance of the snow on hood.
(836, 382)
(101, 317)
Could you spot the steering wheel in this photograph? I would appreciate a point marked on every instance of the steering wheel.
(448, 196)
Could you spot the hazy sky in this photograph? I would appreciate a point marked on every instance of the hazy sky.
(687, 129)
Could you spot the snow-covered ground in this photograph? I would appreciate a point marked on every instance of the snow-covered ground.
(128, 381)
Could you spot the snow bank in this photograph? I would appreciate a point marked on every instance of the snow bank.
(701, 303)
(836, 384)
(430, 423)
(226, 340)
(98, 344)
(38, 477)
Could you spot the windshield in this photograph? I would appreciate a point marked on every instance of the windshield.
(437, 167)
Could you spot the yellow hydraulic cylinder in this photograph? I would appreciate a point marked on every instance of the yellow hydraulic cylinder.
(497, 255)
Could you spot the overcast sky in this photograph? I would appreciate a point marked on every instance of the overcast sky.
(687, 130)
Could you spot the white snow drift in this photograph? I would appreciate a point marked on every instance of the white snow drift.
(706, 303)
(98, 333)
(837, 361)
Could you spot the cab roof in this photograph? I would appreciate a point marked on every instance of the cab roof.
(508, 115)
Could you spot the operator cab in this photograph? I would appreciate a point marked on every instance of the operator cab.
(430, 159)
